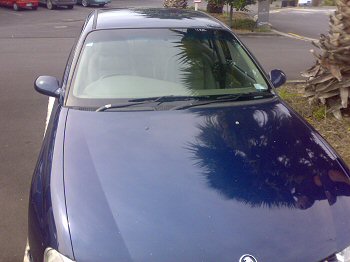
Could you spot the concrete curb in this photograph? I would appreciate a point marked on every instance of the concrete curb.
(256, 33)
(294, 36)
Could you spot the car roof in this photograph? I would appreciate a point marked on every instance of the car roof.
(152, 18)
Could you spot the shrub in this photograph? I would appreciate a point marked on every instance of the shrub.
(329, 2)
(244, 24)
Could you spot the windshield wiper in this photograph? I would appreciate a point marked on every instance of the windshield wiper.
(199, 100)
(110, 106)
(146, 100)
(170, 98)
(228, 98)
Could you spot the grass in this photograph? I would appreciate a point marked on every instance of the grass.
(319, 112)
(263, 29)
(241, 21)
(336, 132)
(329, 3)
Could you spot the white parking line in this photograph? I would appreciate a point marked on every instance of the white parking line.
(60, 26)
(49, 110)
(26, 253)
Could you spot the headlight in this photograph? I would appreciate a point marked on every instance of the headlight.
(52, 255)
(342, 256)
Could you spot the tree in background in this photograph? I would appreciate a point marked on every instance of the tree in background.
(329, 80)
(215, 6)
(238, 5)
(175, 3)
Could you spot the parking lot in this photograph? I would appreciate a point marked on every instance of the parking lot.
(32, 43)
(36, 43)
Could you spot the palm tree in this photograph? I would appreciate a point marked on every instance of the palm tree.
(175, 3)
(329, 80)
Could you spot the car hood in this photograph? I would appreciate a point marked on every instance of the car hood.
(202, 185)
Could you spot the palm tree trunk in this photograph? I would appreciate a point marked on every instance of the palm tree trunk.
(329, 80)
(175, 3)
(231, 15)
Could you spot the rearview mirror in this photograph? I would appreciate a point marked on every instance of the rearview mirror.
(277, 77)
(47, 85)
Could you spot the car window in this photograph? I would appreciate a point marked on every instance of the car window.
(137, 63)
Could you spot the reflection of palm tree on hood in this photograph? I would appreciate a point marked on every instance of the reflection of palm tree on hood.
(245, 157)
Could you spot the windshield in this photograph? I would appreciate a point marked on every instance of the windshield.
(122, 64)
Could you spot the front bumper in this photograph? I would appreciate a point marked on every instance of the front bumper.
(97, 2)
(64, 2)
(27, 4)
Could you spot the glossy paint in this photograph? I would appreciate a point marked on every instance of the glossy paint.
(278, 78)
(60, 2)
(204, 184)
(20, 3)
(95, 2)
(148, 18)
(47, 220)
(47, 85)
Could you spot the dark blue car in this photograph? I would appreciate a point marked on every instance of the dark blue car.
(167, 142)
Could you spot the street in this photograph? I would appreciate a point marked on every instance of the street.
(37, 43)
(307, 22)
(281, 52)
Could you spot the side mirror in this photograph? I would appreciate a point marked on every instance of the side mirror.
(47, 85)
(277, 77)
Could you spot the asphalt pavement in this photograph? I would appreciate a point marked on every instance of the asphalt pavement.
(307, 22)
(22, 118)
(276, 52)
(34, 43)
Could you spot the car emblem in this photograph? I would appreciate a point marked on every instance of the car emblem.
(247, 258)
